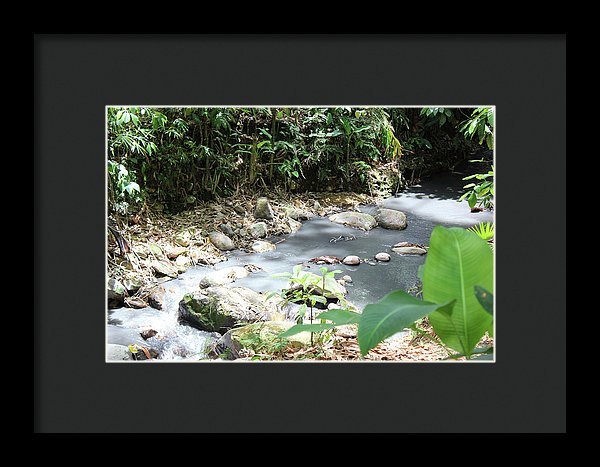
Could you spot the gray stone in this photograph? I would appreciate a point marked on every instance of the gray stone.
(239, 210)
(221, 241)
(347, 279)
(258, 230)
(351, 260)
(156, 297)
(223, 276)
(360, 220)
(409, 250)
(294, 225)
(260, 246)
(391, 219)
(115, 293)
(226, 229)
(296, 214)
(116, 352)
(263, 209)
(218, 309)
(382, 257)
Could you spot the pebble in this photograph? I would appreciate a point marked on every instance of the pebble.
(382, 257)
(351, 260)
(347, 279)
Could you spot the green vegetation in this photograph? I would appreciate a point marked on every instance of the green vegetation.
(175, 157)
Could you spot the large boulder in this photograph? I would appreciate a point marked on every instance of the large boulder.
(115, 293)
(223, 276)
(391, 219)
(221, 241)
(259, 338)
(263, 209)
(359, 220)
(218, 309)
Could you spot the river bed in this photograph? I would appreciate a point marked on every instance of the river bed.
(431, 203)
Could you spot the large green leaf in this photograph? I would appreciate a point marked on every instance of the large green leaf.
(393, 313)
(457, 261)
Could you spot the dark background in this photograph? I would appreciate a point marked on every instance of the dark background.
(76, 76)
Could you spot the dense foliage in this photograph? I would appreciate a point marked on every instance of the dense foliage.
(176, 156)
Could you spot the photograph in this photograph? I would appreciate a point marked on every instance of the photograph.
(305, 234)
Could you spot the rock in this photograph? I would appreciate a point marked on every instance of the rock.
(135, 302)
(334, 306)
(347, 279)
(409, 250)
(351, 260)
(183, 261)
(258, 230)
(239, 210)
(317, 206)
(263, 209)
(260, 338)
(360, 220)
(383, 257)
(223, 276)
(132, 284)
(226, 229)
(296, 214)
(218, 309)
(156, 297)
(294, 225)
(174, 252)
(115, 293)
(260, 246)
(148, 333)
(116, 352)
(221, 241)
(391, 219)
(164, 268)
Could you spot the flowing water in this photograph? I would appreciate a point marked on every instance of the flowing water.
(433, 202)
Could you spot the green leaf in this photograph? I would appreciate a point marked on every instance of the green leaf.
(393, 313)
(458, 260)
(485, 298)
(340, 317)
(298, 328)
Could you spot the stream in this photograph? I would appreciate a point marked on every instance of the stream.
(431, 203)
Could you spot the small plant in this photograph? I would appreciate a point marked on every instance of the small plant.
(484, 230)
(308, 289)
(481, 193)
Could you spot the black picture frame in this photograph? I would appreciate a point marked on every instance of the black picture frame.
(76, 76)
